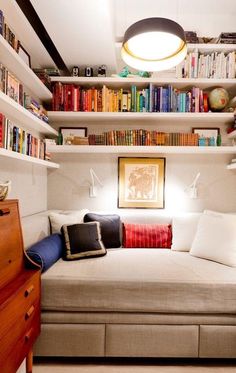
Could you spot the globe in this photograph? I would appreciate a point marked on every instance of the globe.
(218, 99)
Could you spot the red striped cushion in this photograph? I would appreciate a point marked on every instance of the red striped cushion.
(147, 235)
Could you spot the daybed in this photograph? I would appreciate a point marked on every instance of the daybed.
(136, 303)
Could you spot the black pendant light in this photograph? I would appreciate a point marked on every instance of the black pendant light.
(154, 44)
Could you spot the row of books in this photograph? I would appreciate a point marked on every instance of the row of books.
(142, 137)
(7, 33)
(13, 88)
(45, 74)
(69, 97)
(216, 65)
(18, 140)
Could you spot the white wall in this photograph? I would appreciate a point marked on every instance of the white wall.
(29, 184)
(68, 187)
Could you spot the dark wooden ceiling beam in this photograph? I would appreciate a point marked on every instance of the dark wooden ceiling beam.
(33, 18)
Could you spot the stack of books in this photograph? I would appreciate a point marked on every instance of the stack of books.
(13, 88)
(7, 33)
(18, 140)
(69, 97)
(214, 65)
(143, 137)
(35, 108)
(227, 38)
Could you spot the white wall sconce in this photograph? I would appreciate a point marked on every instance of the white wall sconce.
(192, 190)
(93, 188)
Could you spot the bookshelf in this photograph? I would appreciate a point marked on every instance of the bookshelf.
(19, 68)
(22, 117)
(104, 149)
(70, 116)
(27, 158)
(181, 83)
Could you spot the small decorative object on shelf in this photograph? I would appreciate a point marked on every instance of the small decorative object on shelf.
(218, 99)
(75, 71)
(102, 70)
(191, 37)
(70, 134)
(88, 72)
(24, 55)
(126, 73)
(227, 38)
(5, 188)
(207, 136)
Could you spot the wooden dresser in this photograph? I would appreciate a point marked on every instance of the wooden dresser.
(19, 293)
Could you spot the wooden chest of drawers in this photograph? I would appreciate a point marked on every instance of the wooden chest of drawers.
(19, 294)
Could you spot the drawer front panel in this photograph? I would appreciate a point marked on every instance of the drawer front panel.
(11, 244)
(23, 333)
(152, 340)
(20, 306)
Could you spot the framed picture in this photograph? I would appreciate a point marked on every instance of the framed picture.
(24, 55)
(70, 133)
(141, 183)
(206, 133)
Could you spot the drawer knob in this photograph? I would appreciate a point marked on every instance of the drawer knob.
(5, 211)
(28, 335)
(29, 313)
(29, 290)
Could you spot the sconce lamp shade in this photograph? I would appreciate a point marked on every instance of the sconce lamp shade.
(154, 44)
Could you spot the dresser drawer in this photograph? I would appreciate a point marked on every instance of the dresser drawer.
(21, 336)
(11, 243)
(21, 305)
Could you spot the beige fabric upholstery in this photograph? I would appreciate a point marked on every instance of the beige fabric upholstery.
(217, 341)
(152, 340)
(49, 317)
(140, 280)
(71, 340)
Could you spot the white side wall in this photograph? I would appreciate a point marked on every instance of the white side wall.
(29, 184)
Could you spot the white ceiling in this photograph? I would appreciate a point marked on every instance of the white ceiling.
(85, 31)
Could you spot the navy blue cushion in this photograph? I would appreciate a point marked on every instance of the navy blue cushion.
(47, 251)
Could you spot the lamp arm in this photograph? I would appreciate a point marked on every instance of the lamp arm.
(93, 175)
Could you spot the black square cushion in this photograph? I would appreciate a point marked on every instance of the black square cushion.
(110, 228)
(82, 241)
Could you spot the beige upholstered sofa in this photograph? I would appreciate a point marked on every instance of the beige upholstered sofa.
(136, 302)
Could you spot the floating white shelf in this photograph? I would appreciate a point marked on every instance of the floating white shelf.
(63, 116)
(27, 158)
(144, 82)
(22, 117)
(18, 67)
(90, 149)
(212, 47)
(232, 135)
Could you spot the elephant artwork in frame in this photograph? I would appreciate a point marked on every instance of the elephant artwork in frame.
(141, 182)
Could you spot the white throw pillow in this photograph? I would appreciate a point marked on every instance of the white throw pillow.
(183, 231)
(215, 238)
(57, 220)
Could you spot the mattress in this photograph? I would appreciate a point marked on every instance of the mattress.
(140, 280)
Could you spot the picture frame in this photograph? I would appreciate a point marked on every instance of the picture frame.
(207, 133)
(24, 55)
(68, 134)
(141, 182)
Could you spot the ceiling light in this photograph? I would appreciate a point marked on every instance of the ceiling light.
(154, 44)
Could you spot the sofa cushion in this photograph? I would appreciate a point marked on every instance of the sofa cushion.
(82, 241)
(184, 229)
(147, 235)
(215, 238)
(47, 251)
(110, 228)
(140, 280)
(57, 220)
